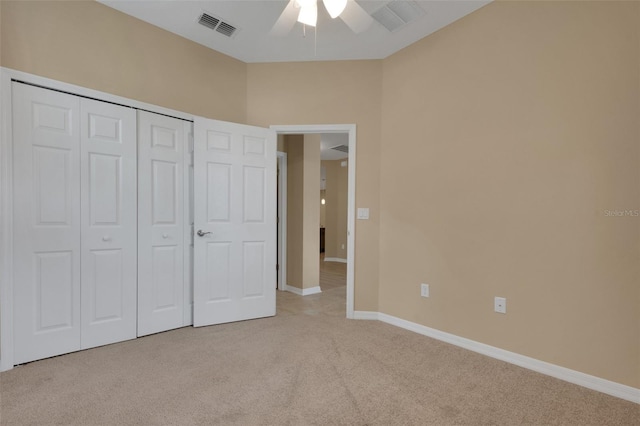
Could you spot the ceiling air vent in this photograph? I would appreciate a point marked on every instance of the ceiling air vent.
(397, 14)
(341, 148)
(217, 24)
(208, 21)
(226, 29)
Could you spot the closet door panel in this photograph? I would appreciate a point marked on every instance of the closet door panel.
(188, 227)
(109, 223)
(161, 278)
(46, 203)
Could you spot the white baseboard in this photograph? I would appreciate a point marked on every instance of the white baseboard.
(366, 315)
(335, 259)
(591, 382)
(304, 291)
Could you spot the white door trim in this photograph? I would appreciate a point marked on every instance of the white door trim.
(6, 230)
(48, 83)
(350, 129)
(6, 184)
(282, 221)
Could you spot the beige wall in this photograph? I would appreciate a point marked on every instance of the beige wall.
(331, 93)
(92, 45)
(311, 211)
(336, 209)
(295, 200)
(303, 214)
(488, 154)
(505, 137)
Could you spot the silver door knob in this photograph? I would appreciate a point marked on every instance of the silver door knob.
(106, 238)
(201, 233)
(165, 235)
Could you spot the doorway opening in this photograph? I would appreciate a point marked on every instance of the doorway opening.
(350, 131)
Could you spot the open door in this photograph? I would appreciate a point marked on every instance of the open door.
(234, 222)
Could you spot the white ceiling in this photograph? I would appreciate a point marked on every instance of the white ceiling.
(252, 42)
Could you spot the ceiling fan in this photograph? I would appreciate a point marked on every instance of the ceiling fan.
(306, 12)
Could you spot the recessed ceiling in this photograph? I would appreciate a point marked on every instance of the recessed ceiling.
(332, 39)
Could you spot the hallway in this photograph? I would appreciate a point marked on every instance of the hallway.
(332, 301)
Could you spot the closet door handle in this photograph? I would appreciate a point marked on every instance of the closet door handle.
(165, 236)
(106, 238)
(202, 234)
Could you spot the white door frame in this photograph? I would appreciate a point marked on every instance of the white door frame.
(282, 220)
(350, 129)
(6, 184)
(6, 232)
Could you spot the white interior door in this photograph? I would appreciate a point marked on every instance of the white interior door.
(161, 242)
(46, 203)
(109, 223)
(235, 222)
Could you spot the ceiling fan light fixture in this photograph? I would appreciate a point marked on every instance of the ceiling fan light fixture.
(305, 3)
(335, 7)
(308, 13)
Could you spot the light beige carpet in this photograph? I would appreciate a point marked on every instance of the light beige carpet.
(308, 365)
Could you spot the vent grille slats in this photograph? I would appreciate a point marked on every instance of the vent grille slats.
(406, 10)
(217, 24)
(341, 148)
(226, 29)
(208, 21)
(397, 13)
(388, 19)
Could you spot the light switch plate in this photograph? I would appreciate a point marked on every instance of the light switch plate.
(363, 213)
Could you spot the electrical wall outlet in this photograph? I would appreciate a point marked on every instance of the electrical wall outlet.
(500, 305)
(424, 290)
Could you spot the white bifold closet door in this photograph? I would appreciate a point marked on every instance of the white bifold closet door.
(164, 300)
(74, 201)
(46, 219)
(109, 223)
(235, 218)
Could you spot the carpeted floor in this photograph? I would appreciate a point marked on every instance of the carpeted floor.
(308, 365)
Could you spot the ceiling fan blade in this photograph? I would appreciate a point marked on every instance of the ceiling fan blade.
(356, 17)
(334, 7)
(286, 21)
